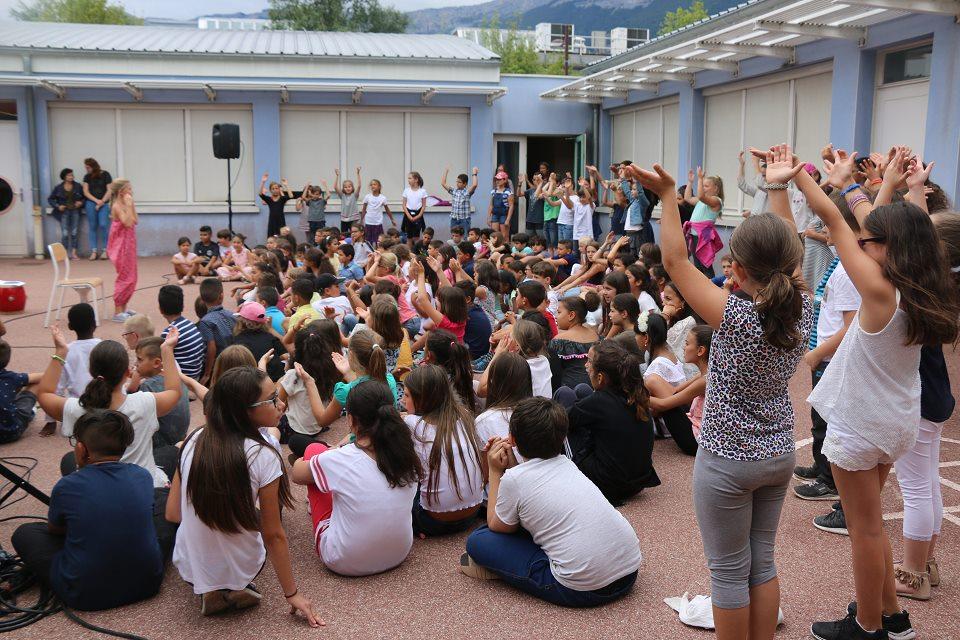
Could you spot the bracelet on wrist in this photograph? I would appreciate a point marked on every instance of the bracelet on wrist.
(856, 200)
(58, 359)
(847, 190)
(295, 592)
(877, 181)
(774, 186)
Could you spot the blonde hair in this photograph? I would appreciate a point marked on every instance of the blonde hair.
(389, 261)
(139, 324)
(117, 187)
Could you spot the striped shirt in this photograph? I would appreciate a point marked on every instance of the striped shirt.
(818, 299)
(191, 350)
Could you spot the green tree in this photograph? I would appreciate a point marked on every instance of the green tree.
(518, 53)
(680, 18)
(77, 11)
(367, 16)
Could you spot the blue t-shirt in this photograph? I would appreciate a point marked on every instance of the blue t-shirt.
(276, 319)
(10, 385)
(719, 280)
(110, 556)
(477, 333)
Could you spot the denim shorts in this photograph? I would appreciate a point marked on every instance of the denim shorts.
(499, 218)
(564, 231)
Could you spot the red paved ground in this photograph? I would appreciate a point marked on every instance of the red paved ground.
(428, 598)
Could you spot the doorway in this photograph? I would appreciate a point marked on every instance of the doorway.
(557, 151)
(12, 232)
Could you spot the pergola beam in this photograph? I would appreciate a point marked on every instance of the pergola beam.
(697, 63)
(858, 34)
(759, 50)
(626, 85)
(656, 75)
(939, 7)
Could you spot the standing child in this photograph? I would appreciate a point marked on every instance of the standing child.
(276, 199)
(460, 198)
(221, 551)
(901, 272)
(708, 205)
(122, 246)
(348, 193)
(446, 442)
(414, 201)
(374, 206)
(76, 370)
(550, 532)
(312, 206)
(746, 454)
(360, 493)
(502, 202)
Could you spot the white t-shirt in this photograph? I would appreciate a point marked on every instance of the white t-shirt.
(802, 213)
(141, 409)
(370, 529)
(838, 296)
(210, 559)
(565, 215)
(299, 414)
(76, 372)
(340, 305)
(375, 206)
(541, 375)
(493, 423)
(414, 198)
(469, 477)
(582, 220)
(646, 302)
(588, 542)
(672, 372)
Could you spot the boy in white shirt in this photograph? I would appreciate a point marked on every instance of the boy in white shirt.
(76, 370)
(333, 305)
(550, 532)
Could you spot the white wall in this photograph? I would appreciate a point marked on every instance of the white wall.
(647, 134)
(165, 151)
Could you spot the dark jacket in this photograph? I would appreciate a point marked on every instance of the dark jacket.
(73, 200)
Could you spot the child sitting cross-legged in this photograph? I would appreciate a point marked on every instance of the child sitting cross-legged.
(550, 532)
(99, 548)
(360, 493)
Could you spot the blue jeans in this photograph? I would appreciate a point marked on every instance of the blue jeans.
(550, 233)
(517, 559)
(98, 224)
(413, 327)
(349, 322)
(565, 231)
(69, 225)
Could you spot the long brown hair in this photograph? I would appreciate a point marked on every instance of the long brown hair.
(366, 354)
(508, 381)
(621, 372)
(917, 266)
(236, 355)
(446, 351)
(947, 224)
(770, 253)
(95, 169)
(218, 485)
(375, 416)
(108, 366)
(436, 403)
(385, 320)
(313, 347)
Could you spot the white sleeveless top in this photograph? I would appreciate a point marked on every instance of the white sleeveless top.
(872, 385)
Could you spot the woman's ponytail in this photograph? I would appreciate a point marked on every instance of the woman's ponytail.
(108, 367)
(375, 415)
(779, 304)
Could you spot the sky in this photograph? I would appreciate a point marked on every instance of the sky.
(184, 9)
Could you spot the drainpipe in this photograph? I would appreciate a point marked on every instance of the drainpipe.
(595, 141)
(34, 165)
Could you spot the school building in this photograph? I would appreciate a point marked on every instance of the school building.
(862, 74)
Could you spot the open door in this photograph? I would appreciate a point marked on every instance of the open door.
(579, 159)
(512, 154)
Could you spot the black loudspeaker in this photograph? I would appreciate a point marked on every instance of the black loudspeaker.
(226, 141)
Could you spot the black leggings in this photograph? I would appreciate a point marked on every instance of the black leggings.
(678, 424)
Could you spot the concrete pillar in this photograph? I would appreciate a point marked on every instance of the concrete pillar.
(266, 144)
(482, 156)
(851, 112)
(941, 141)
(691, 132)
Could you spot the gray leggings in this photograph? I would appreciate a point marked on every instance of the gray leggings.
(738, 506)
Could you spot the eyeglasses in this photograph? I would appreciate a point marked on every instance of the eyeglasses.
(273, 399)
(863, 241)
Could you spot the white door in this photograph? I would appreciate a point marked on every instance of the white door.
(890, 126)
(13, 239)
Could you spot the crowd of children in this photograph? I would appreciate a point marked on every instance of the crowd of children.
(515, 385)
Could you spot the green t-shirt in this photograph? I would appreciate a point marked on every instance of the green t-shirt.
(342, 389)
(550, 212)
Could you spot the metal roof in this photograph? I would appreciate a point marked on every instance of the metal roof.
(61, 37)
(762, 28)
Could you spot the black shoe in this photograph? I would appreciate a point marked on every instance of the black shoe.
(833, 522)
(845, 629)
(805, 473)
(815, 491)
(897, 626)
(836, 506)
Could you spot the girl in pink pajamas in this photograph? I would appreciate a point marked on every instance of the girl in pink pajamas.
(122, 246)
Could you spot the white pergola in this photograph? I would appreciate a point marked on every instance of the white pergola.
(773, 33)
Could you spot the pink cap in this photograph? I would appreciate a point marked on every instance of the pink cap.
(809, 168)
(501, 175)
(252, 311)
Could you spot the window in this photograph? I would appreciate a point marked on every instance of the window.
(907, 64)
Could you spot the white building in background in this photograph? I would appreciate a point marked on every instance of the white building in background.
(624, 38)
(476, 34)
(233, 24)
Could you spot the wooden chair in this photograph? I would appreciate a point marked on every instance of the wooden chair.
(58, 254)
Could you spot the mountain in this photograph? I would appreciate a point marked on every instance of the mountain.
(586, 15)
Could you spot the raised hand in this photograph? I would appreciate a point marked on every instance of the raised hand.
(894, 170)
(841, 170)
(780, 167)
(740, 158)
(265, 360)
(917, 173)
(700, 173)
(265, 176)
(305, 377)
(690, 176)
(658, 180)
(341, 363)
(172, 336)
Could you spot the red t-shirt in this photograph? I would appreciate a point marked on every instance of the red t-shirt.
(554, 330)
(456, 328)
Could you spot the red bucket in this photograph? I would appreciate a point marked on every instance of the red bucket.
(13, 296)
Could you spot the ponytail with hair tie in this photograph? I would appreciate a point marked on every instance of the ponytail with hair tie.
(779, 303)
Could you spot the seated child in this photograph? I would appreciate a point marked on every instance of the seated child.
(191, 350)
(478, 329)
(508, 382)
(136, 328)
(268, 297)
(99, 548)
(332, 304)
(550, 532)
(301, 295)
(183, 261)
(17, 404)
(692, 392)
(76, 371)
(149, 377)
(360, 493)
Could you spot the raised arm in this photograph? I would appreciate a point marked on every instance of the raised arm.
(704, 297)
(336, 181)
(443, 179)
(474, 182)
(422, 301)
(780, 171)
(688, 196)
(168, 398)
(47, 387)
(263, 183)
(711, 201)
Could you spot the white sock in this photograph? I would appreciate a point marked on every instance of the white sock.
(862, 627)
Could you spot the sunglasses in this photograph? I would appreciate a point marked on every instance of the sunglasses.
(274, 399)
(863, 241)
